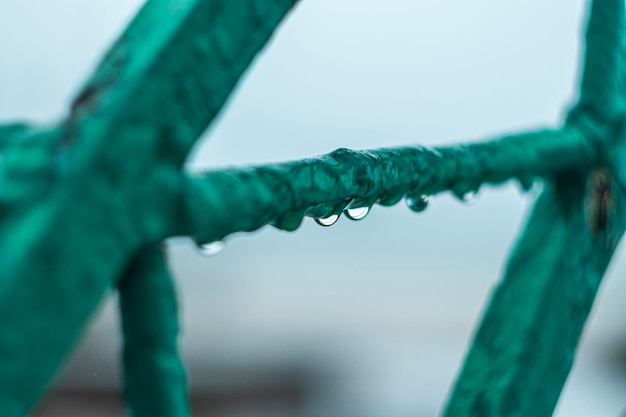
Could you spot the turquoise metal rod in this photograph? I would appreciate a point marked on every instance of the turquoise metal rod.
(222, 202)
(154, 375)
(524, 348)
(75, 210)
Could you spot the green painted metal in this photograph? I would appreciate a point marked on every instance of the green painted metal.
(526, 343)
(10, 133)
(282, 194)
(153, 94)
(525, 346)
(78, 219)
(154, 375)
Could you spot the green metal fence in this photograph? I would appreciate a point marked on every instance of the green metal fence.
(77, 218)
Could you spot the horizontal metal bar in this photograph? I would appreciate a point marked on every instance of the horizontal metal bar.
(222, 202)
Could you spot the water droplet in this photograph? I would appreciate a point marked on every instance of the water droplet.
(470, 197)
(357, 213)
(417, 203)
(212, 248)
(525, 182)
(327, 221)
(390, 198)
(290, 221)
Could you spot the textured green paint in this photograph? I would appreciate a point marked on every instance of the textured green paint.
(77, 214)
(525, 346)
(227, 201)
(74, 208)
(154, 375)
(601, 95)
(526, 343)
(10, 133)
(167, 77)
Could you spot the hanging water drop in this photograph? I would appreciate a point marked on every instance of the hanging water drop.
(526, 182)
(290, 221)
(417, 203)
(327, 221)
(470, 197)
(538, 186)
(212, 248)
(390, 197)
(357, 213)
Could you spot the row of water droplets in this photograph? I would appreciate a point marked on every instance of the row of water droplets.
(415, 202)
(357, 213)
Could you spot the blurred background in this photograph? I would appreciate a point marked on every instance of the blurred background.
(362, 319)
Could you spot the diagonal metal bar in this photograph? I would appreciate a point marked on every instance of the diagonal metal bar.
(71, 198)
(169, 74)
(155, 382)
(525, 346)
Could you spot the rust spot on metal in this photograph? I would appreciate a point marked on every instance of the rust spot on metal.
(84, 100)
(599, 199)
